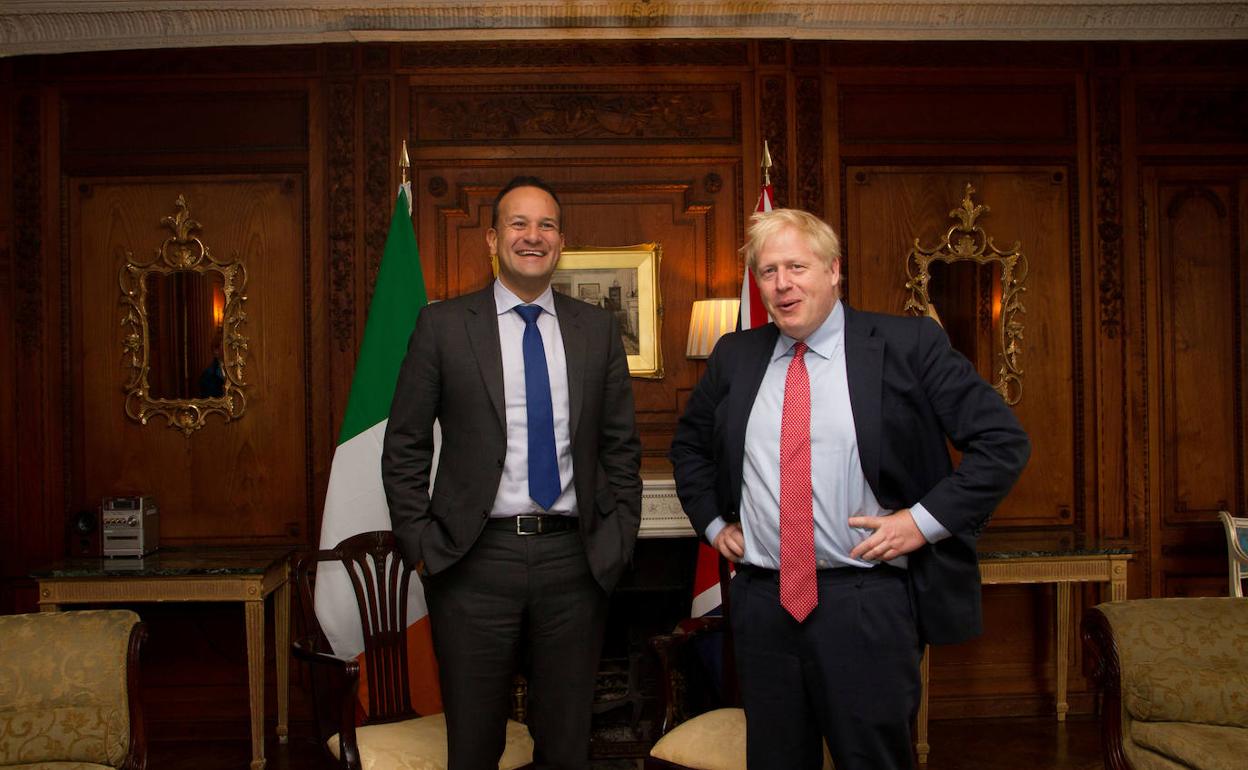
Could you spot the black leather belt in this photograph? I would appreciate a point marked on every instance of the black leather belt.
(534, 523)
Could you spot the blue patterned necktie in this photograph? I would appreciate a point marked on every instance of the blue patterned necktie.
(544, 486)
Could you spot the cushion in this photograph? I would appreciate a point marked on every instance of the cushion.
(420, 744)
(63, 688)
(711, 741)
(1180, 692)
(1208, 747)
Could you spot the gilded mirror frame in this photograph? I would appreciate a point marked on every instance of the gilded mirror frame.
(966, 241)
(183, 251)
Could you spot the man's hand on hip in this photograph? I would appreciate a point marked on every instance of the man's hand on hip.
(730, 542)
(895, 535)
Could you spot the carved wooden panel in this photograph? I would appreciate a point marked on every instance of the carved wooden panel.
(541, 113)
(1200, 315)
(888, 207)
(237, 482)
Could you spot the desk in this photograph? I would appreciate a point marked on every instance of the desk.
(1108, 565)
(235, 574)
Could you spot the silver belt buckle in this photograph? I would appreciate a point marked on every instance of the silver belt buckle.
(535, 527)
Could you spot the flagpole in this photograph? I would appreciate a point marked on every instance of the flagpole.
(766, 165)
(405, 164)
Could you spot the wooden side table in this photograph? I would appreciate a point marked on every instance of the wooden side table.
(1064, 568)
(236, 574)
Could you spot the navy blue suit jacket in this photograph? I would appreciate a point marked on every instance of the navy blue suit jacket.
(909, 391)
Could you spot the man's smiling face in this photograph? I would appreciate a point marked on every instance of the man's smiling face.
(798, 288)
(528, 240)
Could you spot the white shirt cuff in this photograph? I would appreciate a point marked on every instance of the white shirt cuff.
(715, 527)
(932, 530)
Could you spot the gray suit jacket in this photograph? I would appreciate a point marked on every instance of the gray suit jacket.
(453, 373)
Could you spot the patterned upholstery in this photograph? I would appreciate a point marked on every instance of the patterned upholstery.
(63, 697)
(420, 744)
(1182, 670)
(714, 740)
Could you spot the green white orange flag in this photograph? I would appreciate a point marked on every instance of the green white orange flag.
(355, 501)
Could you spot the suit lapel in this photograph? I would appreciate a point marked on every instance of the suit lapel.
(864, 366)
(570, 329)
(481, 327)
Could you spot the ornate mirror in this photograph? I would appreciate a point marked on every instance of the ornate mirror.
(183, 319)
(975, 291)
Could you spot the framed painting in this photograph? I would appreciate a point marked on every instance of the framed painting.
(625, 281)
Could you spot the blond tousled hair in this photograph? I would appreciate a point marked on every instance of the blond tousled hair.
(819, 236)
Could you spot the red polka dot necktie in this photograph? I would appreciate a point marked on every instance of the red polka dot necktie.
(799, 589)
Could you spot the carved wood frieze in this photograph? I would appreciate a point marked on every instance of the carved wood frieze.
(810, 145)
(775, 130)
(1109, 203)
(341, 178)
(479, 54)
(27, 219)
(649, 113)
(58, 27)
(378, 161)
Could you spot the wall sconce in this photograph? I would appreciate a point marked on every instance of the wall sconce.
(710, 320)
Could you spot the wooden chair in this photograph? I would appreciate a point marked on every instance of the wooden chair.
(1236, 551)
(393, 735)
(69, 690)
(715, 738)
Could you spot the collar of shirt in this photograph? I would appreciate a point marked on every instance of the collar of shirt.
(505, 299)
(823, 341)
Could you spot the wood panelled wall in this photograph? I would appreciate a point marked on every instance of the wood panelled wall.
(1120, 169)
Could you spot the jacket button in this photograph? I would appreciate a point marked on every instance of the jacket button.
(500, 462)
(485, 514)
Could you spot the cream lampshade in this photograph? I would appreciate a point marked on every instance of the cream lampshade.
(710, 320)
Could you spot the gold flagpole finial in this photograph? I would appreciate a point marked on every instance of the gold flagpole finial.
(404, 163)
(766, 164)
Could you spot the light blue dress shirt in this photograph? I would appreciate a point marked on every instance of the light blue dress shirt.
(838, 483)
(513, 489)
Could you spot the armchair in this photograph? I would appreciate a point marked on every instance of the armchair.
(393, 735)
(1173, 675)
(1236, 551)
(715, 738)
(69, 690)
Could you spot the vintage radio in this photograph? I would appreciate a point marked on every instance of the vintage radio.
(130, 526)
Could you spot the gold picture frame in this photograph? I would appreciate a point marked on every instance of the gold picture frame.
(627, 283)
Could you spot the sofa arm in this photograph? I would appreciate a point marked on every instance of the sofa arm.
(1101, 667)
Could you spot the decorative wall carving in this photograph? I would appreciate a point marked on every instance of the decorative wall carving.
(771, 52)
(775, 130)
(649, 113)
(810, 145)
(1108, 203)
(703, 53)
(341, 178)
(57, 27)
(378, 162)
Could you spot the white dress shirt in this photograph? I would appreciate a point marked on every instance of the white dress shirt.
(513, 490)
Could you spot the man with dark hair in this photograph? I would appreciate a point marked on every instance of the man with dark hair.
(537, 500)
(813, 454)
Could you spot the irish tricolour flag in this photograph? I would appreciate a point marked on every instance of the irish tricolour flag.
(355, 501)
